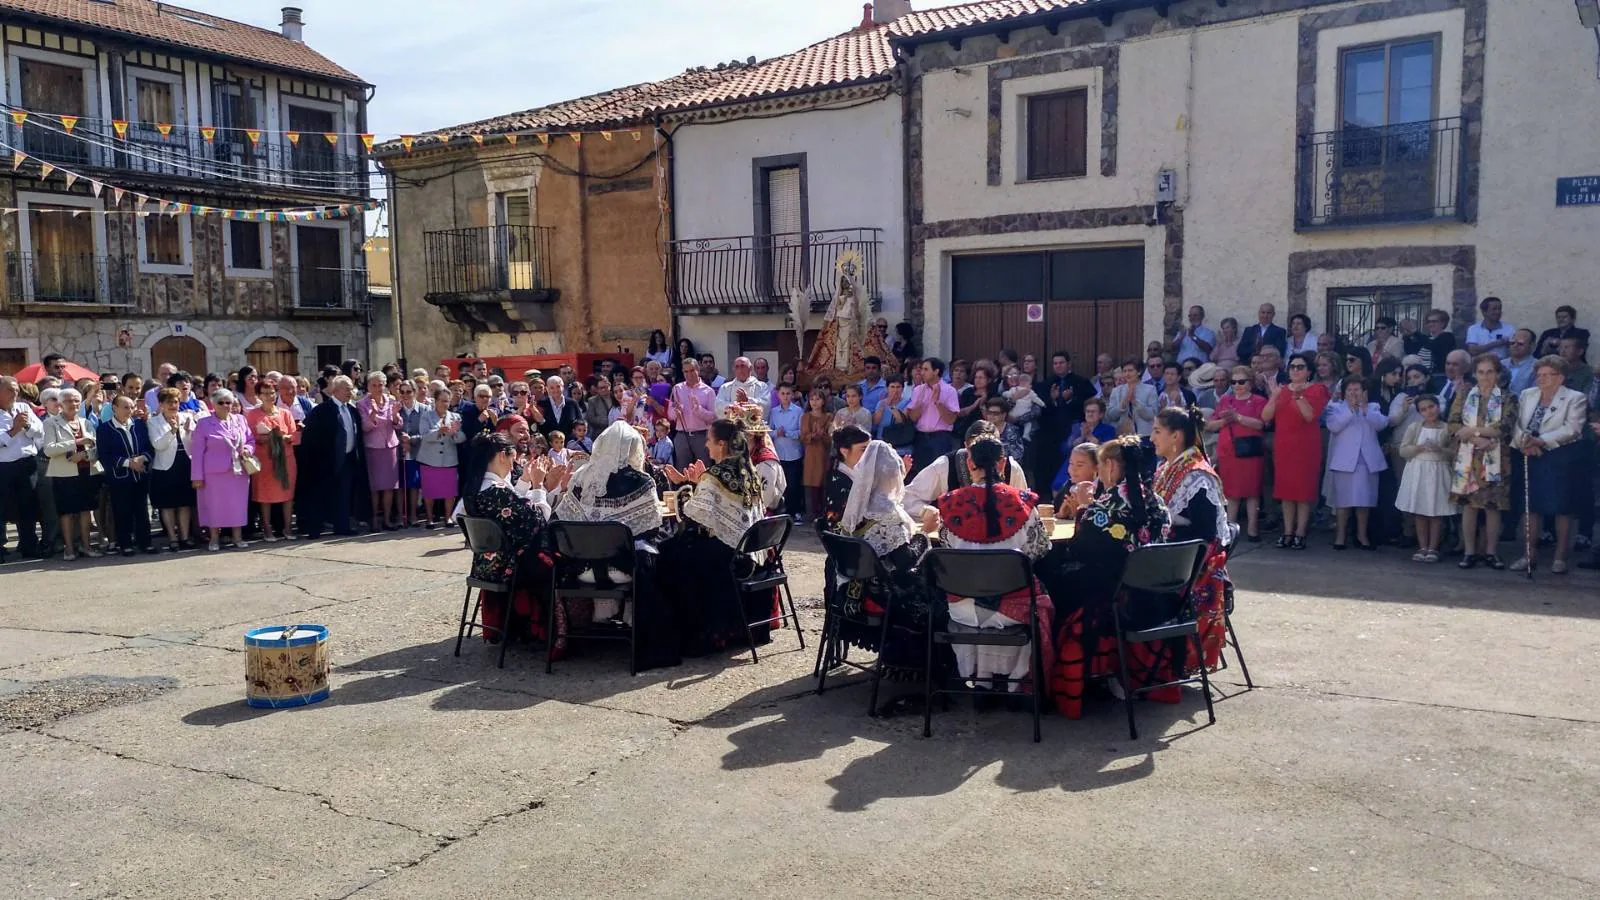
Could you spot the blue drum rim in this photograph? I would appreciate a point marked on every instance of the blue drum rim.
(251, 639)
(287, 702)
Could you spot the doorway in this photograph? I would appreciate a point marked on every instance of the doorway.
(59, 91)
(320, 259)
(188, 354)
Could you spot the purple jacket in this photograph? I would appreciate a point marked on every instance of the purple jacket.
(212, 447)
(1354, 437)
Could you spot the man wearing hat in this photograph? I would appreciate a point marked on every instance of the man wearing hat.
(1203, 381)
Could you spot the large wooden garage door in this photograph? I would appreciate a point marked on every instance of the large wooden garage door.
(188, 354)
(1092, 301)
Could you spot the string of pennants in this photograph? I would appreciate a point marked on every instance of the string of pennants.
(145, 205)
(208, 133)
(407, 141)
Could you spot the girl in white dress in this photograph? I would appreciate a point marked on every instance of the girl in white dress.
(1425, 486)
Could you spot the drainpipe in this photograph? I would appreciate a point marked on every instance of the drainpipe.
(672, 226)
(583, 252)
(905, 192)
(394, 274)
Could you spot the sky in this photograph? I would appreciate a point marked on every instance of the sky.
(444, 62)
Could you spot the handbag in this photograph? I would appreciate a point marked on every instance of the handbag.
(900, 434)
(250, 464)
(1250, 446)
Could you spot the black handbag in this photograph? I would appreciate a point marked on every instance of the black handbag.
(1250, 446)
(900, 434)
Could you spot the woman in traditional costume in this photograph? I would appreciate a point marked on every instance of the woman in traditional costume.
(862, 499)
(988, 514)
(615, 486)
(522, 511)
(718, 505)
(1086, 571)
(1192, 492)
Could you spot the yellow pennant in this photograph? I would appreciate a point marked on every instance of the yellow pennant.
(366, 141)
(19, 117)
(17, 156)
(606, 135)
(406, 140)
(71, 177)
(478, 139)
(95, 187)
(577, 137)
(69, 123)
(442, 138)
(294, 137)
(208, 132)
(544, 138)
(254, 134)
(511, 139)
(44, 170)
(637, 135)
(165, 128)
(331, 138)
(120, 126)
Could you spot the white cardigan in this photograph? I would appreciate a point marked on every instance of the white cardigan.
(59, 444)
(164, 439)
(1563, 424)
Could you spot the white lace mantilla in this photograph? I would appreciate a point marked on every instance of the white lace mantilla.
(1197, 482)
(638, 510)
(719, 512)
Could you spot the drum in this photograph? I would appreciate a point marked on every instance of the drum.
(286, 665)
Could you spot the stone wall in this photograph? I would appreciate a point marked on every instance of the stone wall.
(93, 341)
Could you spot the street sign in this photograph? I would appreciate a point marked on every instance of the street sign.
(1583, 190)
(1035, 312)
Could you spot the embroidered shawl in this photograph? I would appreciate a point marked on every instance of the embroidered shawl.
(1478, 411)
(1179, 480)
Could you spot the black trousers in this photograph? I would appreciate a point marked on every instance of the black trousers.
(794, 493)
(327, 500)
(929, 446)
(130, 507)
(19, 503)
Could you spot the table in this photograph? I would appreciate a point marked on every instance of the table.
(1063, 530)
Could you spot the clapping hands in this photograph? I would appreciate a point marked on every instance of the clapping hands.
(686, 476)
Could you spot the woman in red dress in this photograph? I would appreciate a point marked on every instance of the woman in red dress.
(1238, 415)
(1295, 409)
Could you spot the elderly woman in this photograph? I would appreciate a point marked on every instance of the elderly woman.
(1355, 457)
(73, 472)
(1386, 342)
(438, 440)
(1480, 423)
(1301, 338)
(722, 502)
(171, 431)
(1549, 429)
(1241, 448)
(1197, 505)
(411, 407)
(1225, 353)
(1295, 409)
(221, 458)
(276, 434)
(522, 510)
(381, 424)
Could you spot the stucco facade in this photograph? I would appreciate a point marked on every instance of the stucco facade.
(1219, 96)
(851, 153)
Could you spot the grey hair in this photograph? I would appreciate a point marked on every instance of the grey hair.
(341, 380)
(435, 387)
(221, 394)
(64, 394)
(48, 394)
(8, 381)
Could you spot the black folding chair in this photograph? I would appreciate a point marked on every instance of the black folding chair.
(485, 536)
(597, 546)
(1233, 636)
(1160, 574)
(771, 533)
(980, 574)
(854, 559)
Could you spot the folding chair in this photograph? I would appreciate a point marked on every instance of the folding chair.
(854, 559)
(592, 545)
(771, 533)
(1233, 636)
(1160, 572)
(485, 536)
(982, 573)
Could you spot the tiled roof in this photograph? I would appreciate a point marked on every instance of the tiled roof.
(168, 24)
(948, 18)
(853, 57)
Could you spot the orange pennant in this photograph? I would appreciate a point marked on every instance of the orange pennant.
(406, 140)
(366, 141)
(577, 137)
(331, 138)
(19, 117)
(637, 135)
(606, 135)
(294, 137)
(165, 128)
(120, 126)
(44, 170)
(208, 132)
(69, 123)
(254, 134)
(478, 139)
(511, 139)
(544, 138)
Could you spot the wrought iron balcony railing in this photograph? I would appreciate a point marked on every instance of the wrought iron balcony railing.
(759, 271)
(465, 262)
(1371, 176)
(328, 289)
(68, 278)
(310, 163)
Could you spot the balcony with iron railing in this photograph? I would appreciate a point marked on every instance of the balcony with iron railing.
(319, 292)
(495, 278)
(1393, 174)
(68, 279)
(310, 163)
(758, 273)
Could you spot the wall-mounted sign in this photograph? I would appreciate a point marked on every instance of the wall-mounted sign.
(179, 329)
(1035, 312)
(1583, 190)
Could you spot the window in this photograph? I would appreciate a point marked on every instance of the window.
(62, 266)
(273, 354)
(1390, 84)
(1058, 135)
(329, 355)
(782, 220)
(153, 103)
(247, 252)
(163, 240)
(1352, 311)
(320, 254)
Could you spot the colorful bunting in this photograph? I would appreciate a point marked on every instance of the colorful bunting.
(406, 140)
(544, 138)
(606, 135)
(577, 136)
(69, 123)
(254, 134)
(120, 126)
(637, 135)
(331, 137)
(17, 156)
(71, 177)
(208, 132)
(478, 139)
(367, 141)
(165, 128)
(95, 187)
(19, 117)
(44, 170)
(293, 136)
(511, 139)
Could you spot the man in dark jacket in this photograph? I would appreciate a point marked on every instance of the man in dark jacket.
(557, 409)
(125, 454)
(1064, 393)
(1263, 333)
(331, 445)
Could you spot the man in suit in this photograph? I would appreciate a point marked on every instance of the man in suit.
(1263, 334)
(125, 454)
(332, 446)
(557, 410)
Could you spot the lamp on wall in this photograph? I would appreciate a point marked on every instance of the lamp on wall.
(1588, 13)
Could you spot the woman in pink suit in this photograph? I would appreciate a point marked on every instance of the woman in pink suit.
(381, 424)
(217, 453)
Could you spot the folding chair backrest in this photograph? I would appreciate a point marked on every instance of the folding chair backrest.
(483, 535)
(1163, 568)
(852, 557)
(770, 533)
(608, 543)
(977, 573)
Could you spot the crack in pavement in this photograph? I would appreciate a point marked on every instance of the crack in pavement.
(1302, 689)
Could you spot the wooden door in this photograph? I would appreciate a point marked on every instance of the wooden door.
(320, 258)
(188, 354)
(273, 354)
(62, 260)
(312, 153)
(57, 90)
(12, 360)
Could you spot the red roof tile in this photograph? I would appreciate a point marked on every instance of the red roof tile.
(947, 18)
(167, 24)
(853, 57)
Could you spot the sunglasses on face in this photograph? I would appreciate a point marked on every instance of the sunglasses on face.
(1298, 366)
(1241, 381)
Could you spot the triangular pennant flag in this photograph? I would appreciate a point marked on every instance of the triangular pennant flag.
(331, 138)
(606, 135)
(71, 177)
(577, 138)
(511, 139)
(44, 170)
(69, 123)
(637, 135)
(366, 141)
(17, 156)
(442, 138)
(95, 187)
(120, 126)
(209, 132)
(544, 138)
(294, 137)
(406, 140)
(478, 139)
(116, 196)
(76, 213)
(254, 134)
(18, 116)
(165, 128)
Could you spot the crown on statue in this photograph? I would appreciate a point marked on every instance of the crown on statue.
(748, 413)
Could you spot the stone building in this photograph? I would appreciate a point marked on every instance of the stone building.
(542, 229)
(108, 102)
(1080, 172)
